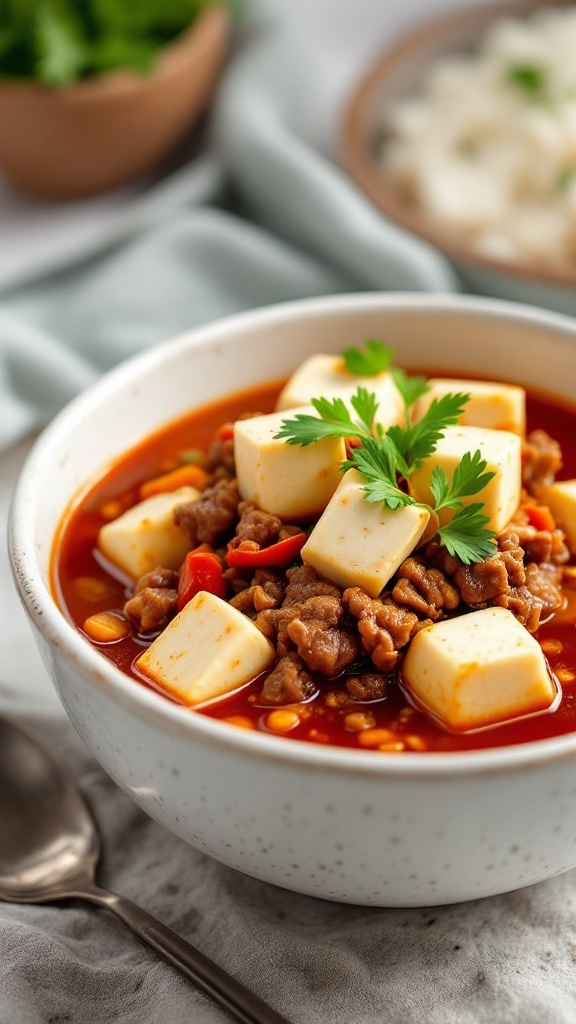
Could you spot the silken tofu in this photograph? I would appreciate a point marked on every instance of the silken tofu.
(502, 451)
(561, 500)
(209, 649)
(492, 405)
(477, 670)
(146, 535)
(286, 480)
(324, 376)
(357, 543)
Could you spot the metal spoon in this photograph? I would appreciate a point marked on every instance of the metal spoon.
(49, 848)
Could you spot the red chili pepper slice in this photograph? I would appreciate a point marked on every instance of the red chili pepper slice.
(281, 553)
(202, 570)
(225, 432)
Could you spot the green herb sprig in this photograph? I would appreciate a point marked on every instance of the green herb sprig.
(374, 358)
(335, 420)
(386, 459)
(58, 42)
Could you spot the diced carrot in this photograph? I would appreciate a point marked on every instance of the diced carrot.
(188, 475)
(540, 517)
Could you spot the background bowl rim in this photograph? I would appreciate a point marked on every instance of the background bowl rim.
(359, 159)
(180, 721)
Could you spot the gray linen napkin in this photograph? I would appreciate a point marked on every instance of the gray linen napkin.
(260, 218)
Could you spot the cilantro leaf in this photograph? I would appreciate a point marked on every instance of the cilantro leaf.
(529, 77)
(365, 405)
(376, 461)
(466, 536)
(373, 359)
(417, 441)
(58, 42)
(469, 478)
(410, 388)
(61, 48)
(333, 420)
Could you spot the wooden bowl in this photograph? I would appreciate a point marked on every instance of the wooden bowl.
(400, 71)
(103, 132)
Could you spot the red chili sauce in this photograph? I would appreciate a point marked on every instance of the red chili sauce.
(83, 586)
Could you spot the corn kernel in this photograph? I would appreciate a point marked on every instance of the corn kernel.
(552, 646)
(240, 721)
(112, 509)
(105, 627)
(282, 720)
(318, 736)
(415, 742)
(375, 737)
(90, 588)
(356, 721)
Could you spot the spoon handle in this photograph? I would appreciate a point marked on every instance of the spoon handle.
(243, 1004)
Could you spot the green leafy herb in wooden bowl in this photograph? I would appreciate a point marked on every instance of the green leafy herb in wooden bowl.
(96, 92)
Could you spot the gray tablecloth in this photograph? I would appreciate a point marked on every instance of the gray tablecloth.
(260, 217)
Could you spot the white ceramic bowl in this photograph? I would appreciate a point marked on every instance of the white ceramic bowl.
(362, 827)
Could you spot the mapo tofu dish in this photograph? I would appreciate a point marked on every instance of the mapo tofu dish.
(358, 556)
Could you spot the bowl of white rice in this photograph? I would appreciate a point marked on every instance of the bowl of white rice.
(464, 133)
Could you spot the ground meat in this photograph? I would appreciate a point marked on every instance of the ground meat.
(542, 545)
(257, 526)
(541, 460)
(155, 601)
(511, 555)
(288, 683)
(424, 589)
(321, 645)
(483, 582)
(367, 686)
(545, 584)
(212, 515)
(311, 622)
(220, 457)
(384, 626)
(304, 582)
(265, 591)
(523, 605)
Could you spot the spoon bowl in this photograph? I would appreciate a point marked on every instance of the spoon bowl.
(49, 848)
(49, 837)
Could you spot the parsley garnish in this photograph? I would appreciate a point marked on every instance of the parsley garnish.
(58, 42)
(386, 459)
(373, 359)
(416, 441)
(530, 79)
(335, 420)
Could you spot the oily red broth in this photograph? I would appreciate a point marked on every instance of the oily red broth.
(84, 585)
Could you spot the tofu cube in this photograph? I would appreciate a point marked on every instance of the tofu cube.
(357, 543)
(209, 649)
(561, 500)
(478, 670)
(323, 376)
(286, 480)
(502, 451)
(492, 405)
(146, 535)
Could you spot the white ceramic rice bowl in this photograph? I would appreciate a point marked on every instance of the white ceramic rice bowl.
(362, 827)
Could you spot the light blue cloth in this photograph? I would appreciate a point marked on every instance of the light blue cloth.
(177, 255)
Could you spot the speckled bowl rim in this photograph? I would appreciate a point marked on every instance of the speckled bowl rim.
(182, 722)
(359, 158)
